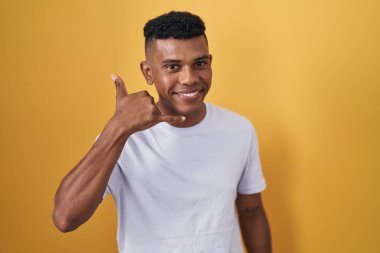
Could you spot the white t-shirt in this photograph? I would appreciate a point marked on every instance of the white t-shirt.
(175, 188)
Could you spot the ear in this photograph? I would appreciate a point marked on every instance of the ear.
(147, 72)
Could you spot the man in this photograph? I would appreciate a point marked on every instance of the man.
(176, 168)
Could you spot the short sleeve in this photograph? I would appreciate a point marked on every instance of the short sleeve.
(106, 192)
(113, 182)
(112, 179)
(252, 179)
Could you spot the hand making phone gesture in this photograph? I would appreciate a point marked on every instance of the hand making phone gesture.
(137, 111)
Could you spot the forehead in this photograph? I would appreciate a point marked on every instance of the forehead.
(180, 49)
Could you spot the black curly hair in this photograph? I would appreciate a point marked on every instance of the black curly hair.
(176, 25)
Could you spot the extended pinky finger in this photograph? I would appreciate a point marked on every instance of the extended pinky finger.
(170, 118)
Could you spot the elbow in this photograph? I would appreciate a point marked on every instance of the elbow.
(62, 223)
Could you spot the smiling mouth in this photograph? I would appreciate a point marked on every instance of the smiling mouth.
(188, 93)
(193, 94)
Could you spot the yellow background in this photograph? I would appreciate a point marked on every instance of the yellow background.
(305, 72)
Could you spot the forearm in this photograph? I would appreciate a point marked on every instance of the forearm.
(81, 191)
(255, 230)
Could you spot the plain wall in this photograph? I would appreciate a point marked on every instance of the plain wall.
(306, 73)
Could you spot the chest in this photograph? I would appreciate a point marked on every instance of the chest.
(187, 163)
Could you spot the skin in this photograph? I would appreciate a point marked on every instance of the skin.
(174, 67)
(254, 223)
(179, 65)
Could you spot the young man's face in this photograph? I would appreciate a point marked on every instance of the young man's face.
(181, 72)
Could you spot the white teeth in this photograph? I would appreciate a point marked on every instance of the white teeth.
(189, 94)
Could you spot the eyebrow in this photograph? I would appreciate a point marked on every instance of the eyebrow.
(178, 61)
(205, 57)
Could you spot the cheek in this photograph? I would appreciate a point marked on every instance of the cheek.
(207, 76)
(168, 80)
(165, 83)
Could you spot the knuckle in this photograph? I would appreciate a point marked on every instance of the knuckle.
(150, 101)
(144, 93)
(153, 110)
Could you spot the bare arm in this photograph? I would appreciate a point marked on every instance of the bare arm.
(81, 190)
(253, 223)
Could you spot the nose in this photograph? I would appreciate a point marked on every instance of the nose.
(188, 76)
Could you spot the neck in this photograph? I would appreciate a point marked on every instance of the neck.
(192, 118)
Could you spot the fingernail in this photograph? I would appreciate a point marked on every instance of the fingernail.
(183, 118)
(114, 77)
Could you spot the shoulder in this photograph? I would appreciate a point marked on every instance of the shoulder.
(228, 118)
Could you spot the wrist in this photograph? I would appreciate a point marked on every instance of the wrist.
(119, 129)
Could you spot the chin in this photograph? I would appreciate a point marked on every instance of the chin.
(187, 110)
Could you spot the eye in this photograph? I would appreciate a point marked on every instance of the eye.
(200, 64)
(172, 66)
